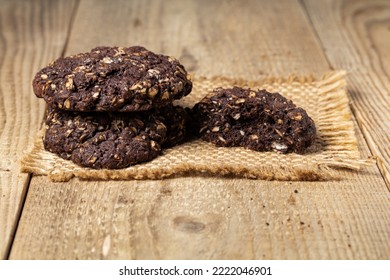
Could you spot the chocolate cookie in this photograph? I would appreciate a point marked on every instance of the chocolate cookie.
(112, 79)
(112, 140)
(258, 120)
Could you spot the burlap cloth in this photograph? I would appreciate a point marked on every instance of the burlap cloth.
(325, 100)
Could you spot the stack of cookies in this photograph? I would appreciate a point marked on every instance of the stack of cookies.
(112, 107)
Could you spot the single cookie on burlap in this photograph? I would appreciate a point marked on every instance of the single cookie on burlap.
(112, 79)
(258, 120)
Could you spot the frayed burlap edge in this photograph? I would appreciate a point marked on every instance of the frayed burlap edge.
(336, 132)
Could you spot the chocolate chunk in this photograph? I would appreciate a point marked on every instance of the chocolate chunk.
(257, 120)
(112, 79)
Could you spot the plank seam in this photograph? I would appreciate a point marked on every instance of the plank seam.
(70, 27)
(353, 109)
(17, 218)
(28, 181)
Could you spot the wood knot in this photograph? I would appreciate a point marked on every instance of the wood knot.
(188, 224)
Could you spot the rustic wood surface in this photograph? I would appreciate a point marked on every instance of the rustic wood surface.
(199, 217)
(31, 34)
(362, 47)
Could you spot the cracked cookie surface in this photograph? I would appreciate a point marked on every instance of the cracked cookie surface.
(113, 140)
(258, 120)
(112, 79)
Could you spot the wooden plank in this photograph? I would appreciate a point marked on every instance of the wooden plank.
(211, 218)
(207, 36)
(200, 217)
(31, 35)
(13, 188)
(356, 37)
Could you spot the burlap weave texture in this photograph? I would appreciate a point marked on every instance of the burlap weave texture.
(324, 99)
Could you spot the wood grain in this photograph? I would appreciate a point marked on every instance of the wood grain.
(356, 37)
(200, 217)
(13, 187)
(207, 218)
(31, 35)
(210, 37)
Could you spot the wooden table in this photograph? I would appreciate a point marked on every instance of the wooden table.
(199, 217)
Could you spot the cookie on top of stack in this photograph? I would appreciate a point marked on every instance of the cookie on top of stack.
(112, 107)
